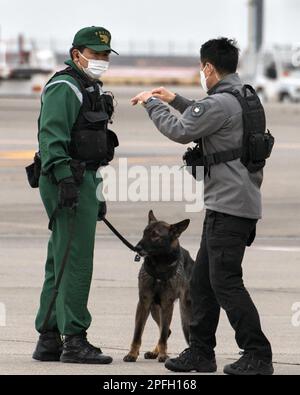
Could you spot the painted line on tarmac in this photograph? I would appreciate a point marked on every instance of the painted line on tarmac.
(25, 226)
(288, 146)
(128, 143)
(276, 249)
(111, 238)
(17, 155)
(28, 154)
(152, 159)
(189, 239)
(141, 143)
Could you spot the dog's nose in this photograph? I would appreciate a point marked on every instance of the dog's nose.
(139, 248)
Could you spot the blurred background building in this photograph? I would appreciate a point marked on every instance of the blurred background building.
(163, 52)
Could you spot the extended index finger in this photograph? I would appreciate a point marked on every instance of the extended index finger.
(134, 100)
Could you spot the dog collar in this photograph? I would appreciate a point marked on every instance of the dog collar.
(162, 276)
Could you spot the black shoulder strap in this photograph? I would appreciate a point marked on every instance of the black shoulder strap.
(254, 121)
(254, 116)
(230, 155)
(82, 81)
(85, 85)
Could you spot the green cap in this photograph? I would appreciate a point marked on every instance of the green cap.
(93, 37)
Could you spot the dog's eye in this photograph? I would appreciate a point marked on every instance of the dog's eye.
(155, 235)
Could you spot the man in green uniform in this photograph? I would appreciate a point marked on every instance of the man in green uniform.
(74, 142)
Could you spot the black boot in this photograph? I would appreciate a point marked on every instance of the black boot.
(189, 361)
(77, 349)
(48, 348)
(250, 365)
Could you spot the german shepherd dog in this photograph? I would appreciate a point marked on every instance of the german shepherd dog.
(164, 277)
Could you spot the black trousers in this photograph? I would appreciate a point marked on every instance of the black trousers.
(217, 281)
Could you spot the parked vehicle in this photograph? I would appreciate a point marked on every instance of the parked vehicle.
(25, 71)
(275, 75)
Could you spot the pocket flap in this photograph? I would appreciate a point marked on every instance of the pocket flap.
(93, 116)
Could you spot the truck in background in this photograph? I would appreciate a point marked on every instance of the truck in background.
(275, 73)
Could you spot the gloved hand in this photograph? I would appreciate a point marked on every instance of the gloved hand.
(102, 211)
(68, 193)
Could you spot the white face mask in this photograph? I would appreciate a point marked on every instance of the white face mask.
(203, 80)
(95, 68)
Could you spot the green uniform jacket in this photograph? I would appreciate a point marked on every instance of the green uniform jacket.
(61, 102)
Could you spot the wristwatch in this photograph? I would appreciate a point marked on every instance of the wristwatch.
(149, 100)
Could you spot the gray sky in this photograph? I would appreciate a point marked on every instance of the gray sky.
(143, 20)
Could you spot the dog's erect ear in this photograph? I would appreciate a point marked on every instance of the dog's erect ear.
(151, 217)
(178, 228)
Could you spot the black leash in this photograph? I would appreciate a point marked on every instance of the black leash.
(124, 241)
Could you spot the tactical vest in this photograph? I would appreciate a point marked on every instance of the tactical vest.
(91, 139)
(257, 142)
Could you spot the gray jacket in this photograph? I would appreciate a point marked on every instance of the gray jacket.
(230, 189)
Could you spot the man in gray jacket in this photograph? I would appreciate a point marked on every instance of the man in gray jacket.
(233, 207)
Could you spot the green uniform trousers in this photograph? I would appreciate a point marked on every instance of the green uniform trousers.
(70, 315)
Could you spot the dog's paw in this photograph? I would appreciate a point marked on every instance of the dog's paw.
(130, 358)
(150, 355)
(162, 358)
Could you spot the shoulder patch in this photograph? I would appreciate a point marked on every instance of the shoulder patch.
(198, 109)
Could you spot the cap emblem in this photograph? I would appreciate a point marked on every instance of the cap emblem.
(103, 37)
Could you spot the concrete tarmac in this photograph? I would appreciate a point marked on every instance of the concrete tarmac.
(271, 266)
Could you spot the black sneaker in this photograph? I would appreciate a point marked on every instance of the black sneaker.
(77, 349)
(189, 360)
(250, 365)
(48, 348)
